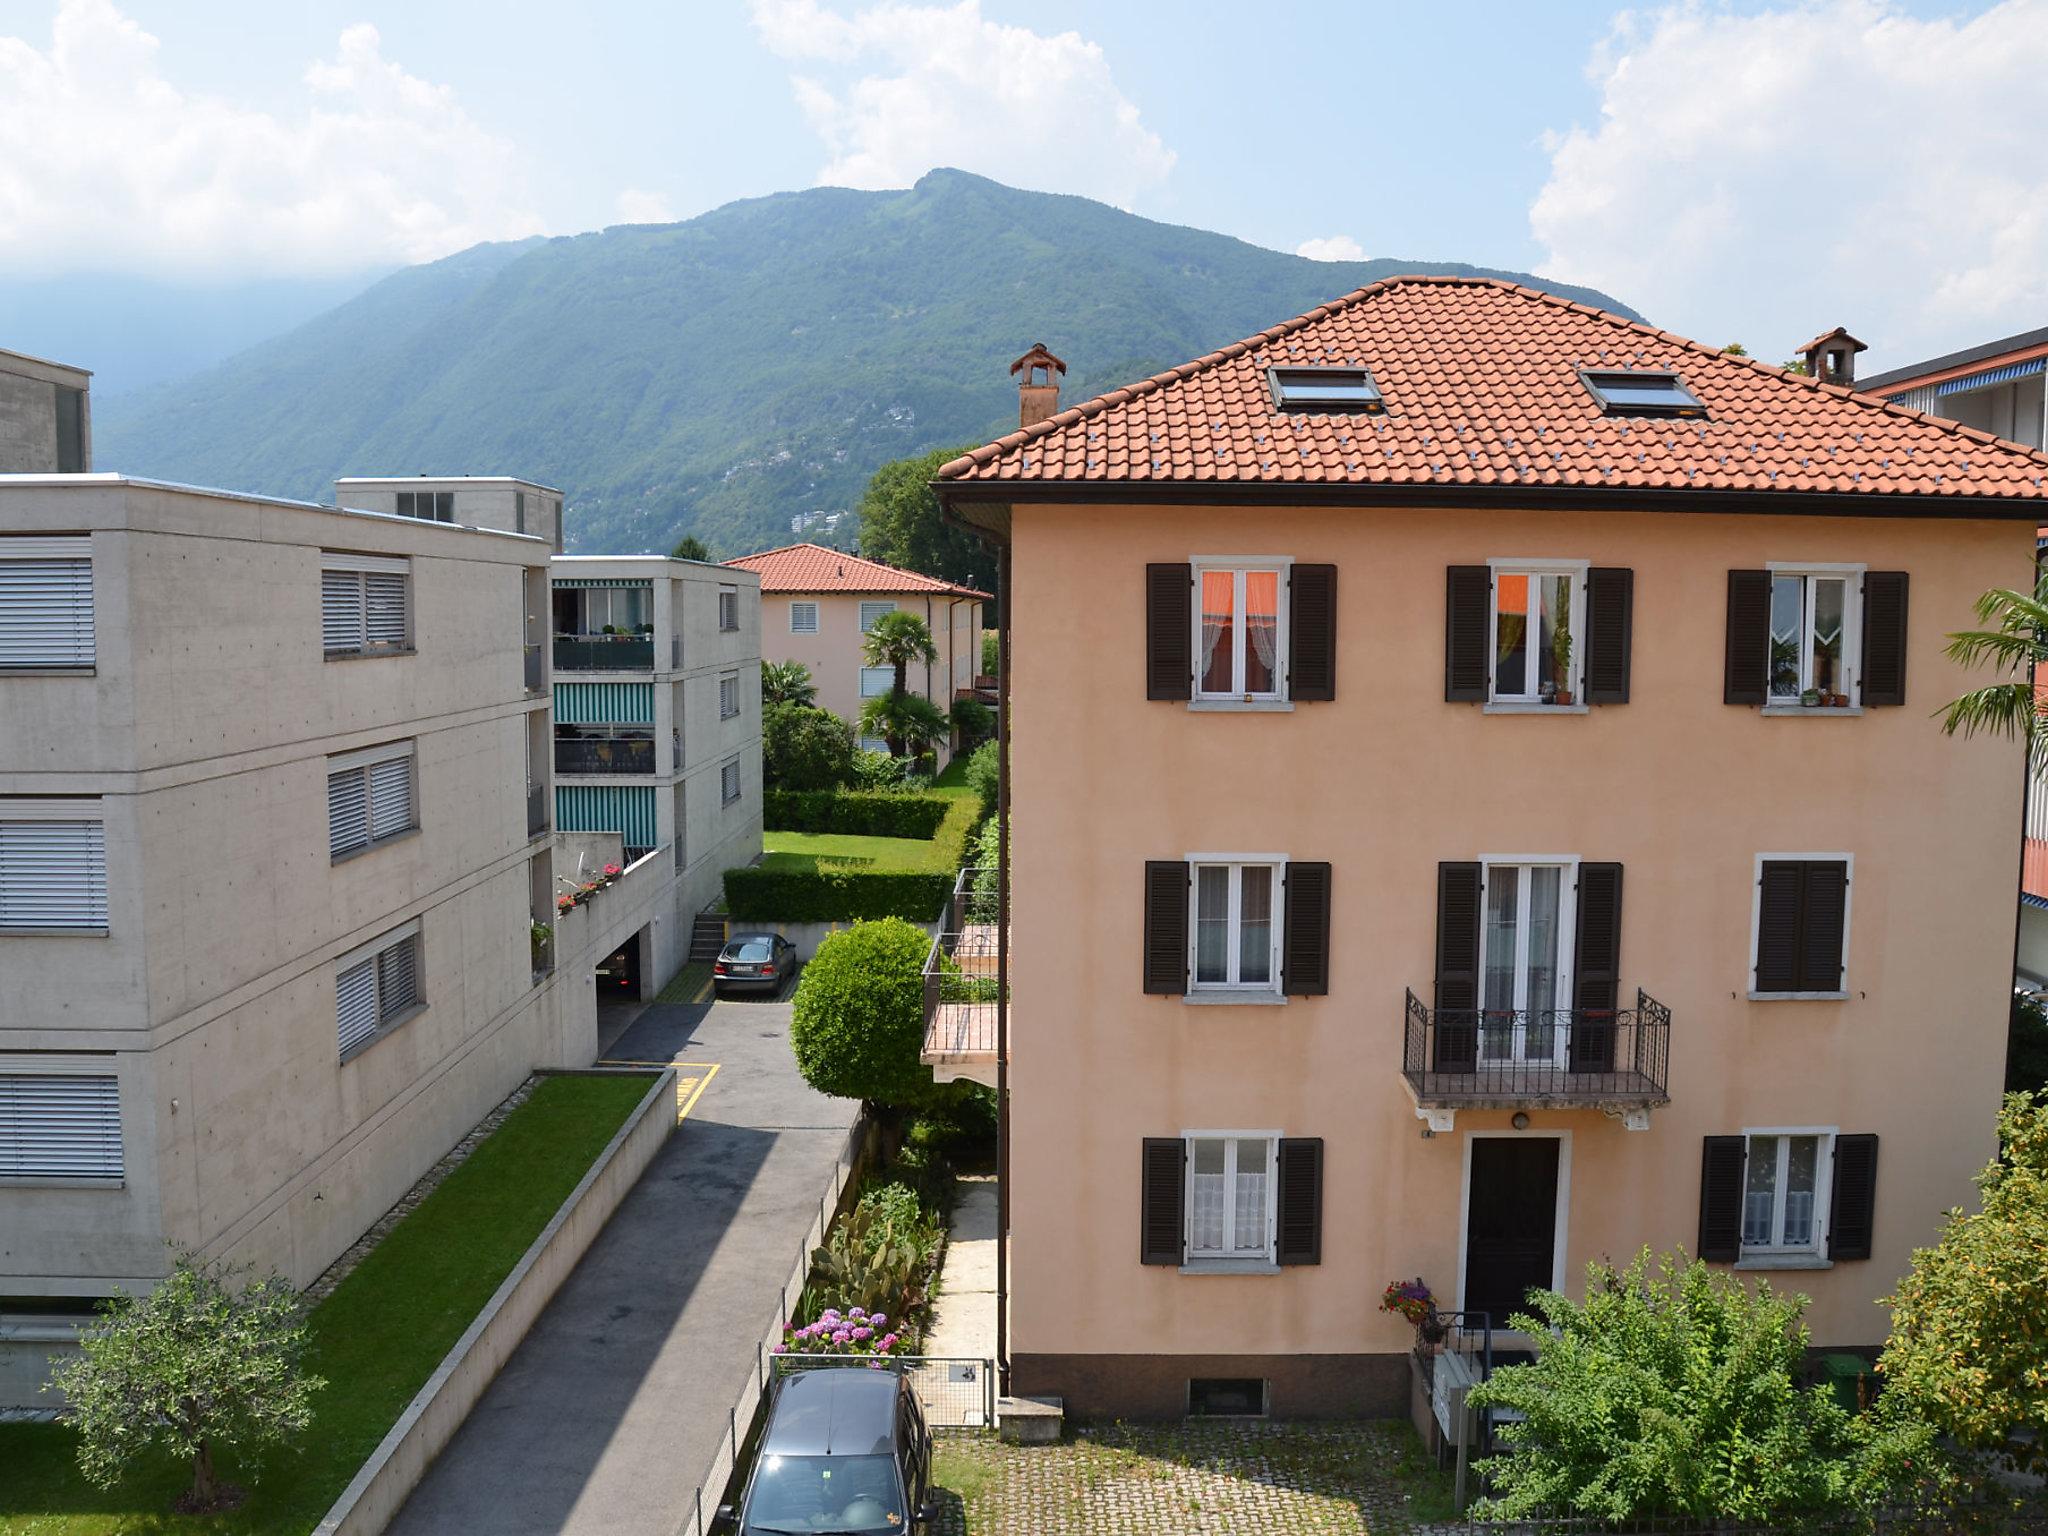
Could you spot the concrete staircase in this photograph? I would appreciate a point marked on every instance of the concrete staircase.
(707, 937)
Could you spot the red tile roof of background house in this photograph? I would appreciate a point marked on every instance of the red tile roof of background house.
(814, 568)
(1480, 380)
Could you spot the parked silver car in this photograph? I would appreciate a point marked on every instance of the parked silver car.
(753, 962)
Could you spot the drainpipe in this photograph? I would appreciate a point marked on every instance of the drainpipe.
(1003, 969)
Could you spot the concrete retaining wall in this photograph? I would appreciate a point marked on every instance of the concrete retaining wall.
(429, 1422)
(805, 936)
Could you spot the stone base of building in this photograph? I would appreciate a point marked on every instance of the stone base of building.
(1159, 1386)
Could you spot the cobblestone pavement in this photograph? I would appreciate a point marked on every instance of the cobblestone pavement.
(1197, 1479)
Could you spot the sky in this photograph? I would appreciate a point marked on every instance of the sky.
(1746, 172)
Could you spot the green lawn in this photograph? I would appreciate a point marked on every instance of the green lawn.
(376, 1339)
(806, 850)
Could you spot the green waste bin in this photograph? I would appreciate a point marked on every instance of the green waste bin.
(1843, 1374)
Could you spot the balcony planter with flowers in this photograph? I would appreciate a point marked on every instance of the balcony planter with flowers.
(581, 891)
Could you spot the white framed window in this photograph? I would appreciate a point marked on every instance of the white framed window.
(369, 797)
(803, 618)
(728, 697)
(1786, 1182)
(729, 782)
(59, 1119)
(46, 616)
(728, 608)
(376, 987)
(871, 611)
(1538, 617)
(53, 866)
(876, 681)
(1816, 636)
(1241, 628)
(1234, 922)
(1526, 933)
(1231, 1186)
(365, 604)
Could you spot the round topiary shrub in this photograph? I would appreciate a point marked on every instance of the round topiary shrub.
(859, 1014)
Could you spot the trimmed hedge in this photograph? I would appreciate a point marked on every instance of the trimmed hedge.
(853, 813)
(834, 896)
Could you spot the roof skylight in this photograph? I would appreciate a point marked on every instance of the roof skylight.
(1641, 392)
(1325, 389)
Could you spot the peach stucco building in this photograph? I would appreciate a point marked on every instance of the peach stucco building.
(1477, 812)
(816, 603)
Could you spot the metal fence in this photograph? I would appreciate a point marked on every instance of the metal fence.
(1562, 1054)
(955, 1392)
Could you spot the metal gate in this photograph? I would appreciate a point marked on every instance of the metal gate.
(955, 1392)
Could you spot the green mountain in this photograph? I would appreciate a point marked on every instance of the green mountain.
(725, 375)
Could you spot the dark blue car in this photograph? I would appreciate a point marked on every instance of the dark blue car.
(846, 1453)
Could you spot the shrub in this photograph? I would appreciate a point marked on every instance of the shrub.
(856, 1331)
(853, 813)
(834, 895)
(877, 770)
(987, 851)
(858, 1022)
(804, 748)
(981, 776)
(898, 1204)
(974, 720)
(991, 652)
(2026, 1046)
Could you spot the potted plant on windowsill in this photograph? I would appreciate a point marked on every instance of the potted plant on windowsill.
(1561, 655)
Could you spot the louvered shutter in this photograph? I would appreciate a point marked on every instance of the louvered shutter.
(1166, 927)
(1169, 631)
(1597, 974)
(1824, 911)
(1780, 905)
(384, 624)
(46, 617)
(341, 610)
(1305, 948)
(348, 812)
(1457, 967)
(1852, 1207)
(390, 797)
(53, 874)
(355, 1003)
(1721, 1165)
(60, 1127)
(1610, 624)
(1312, 634)
(1300, 1201)
(1746, 660)
(397, 979)
(1162, 1224)
(1468, 618)
(1884, 637)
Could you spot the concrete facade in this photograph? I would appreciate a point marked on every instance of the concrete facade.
(502, 502)
(45, 417)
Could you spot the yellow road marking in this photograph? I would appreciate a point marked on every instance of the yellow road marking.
(692, 1078)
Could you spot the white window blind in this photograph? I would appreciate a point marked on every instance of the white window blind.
(728, 607)
(803, 618)
(46, 602)
(869, 612)
(728, 697)
(876, 681)
(59, 1127)
(53, 865)
(372, 989)
(729, 783)
(364, 603)
(369, 797)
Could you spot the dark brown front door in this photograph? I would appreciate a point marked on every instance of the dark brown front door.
(1511, 1223)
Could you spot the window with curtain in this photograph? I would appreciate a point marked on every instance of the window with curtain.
(1525, 948)
(1234, 926)
(1240, 632)
(1783, 1192)
(1537, 619)
(1230, 1197)
(1815, 635)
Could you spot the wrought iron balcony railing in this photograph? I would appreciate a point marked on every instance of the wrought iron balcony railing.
(1497, 1058)
(604, 653)
(604, 755)
(960, 983)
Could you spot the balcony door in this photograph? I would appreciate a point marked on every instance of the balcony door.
(1525, 984)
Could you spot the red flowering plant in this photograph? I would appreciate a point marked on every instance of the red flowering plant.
(564, 903)
(1410, 1298)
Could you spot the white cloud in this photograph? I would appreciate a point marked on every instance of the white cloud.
(898, 88)
(1762, 178)
(639, 206)
(106, 164)
(1331, 248)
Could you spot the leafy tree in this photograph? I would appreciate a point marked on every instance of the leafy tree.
(2026, 1046)
(1671, 1392)
(900, 523)
(911, 723)
(858, 1021)
(991, 652)
(192, 1367)
(690, 547)
(804, 748)
(2014, 639)
(787, 682)
(1969, 1341)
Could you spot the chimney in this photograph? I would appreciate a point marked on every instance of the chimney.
(1038, 391)
(1831, 357)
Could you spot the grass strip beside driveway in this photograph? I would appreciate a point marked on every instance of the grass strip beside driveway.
(376, 1339)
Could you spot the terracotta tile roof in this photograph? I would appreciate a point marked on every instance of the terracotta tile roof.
(1481, 389)
(814, 568)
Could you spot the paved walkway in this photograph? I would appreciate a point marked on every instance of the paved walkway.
(608, 1414)
(964, 1316)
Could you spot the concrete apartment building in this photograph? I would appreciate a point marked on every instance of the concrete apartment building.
(45, 416)
(817, 603)
(1514, 834)
(503, 502)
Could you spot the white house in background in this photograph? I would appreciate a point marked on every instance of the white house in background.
(1995, 386)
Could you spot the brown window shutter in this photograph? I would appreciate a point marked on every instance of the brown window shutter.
(1824, 911)
(1305, 948)
(1852, 1208)
(1457, 967)
(1166, 926)
(1312, 634)
(1721, 1164)
(1780, 910)
(1468, 621)
(1300, 1239)
(1597, 973)
(1884, 637)
(1747, 663)
(1162, 1228)
(1169, 631)
(1610, 624)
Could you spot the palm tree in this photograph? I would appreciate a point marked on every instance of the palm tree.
(897, 639)
(787, 682)
(2014, 641)
(910, 722)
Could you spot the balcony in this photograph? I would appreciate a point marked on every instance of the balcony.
(961, 988)
(1616, 1060)
(606, 755)
(604, 653)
